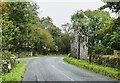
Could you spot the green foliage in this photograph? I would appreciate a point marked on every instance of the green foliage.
(10, 34)
(99, 48)
(112, 32)
(21, 30)
(62, 40)
(16, 74)
(107, 71)
(67, 28)
(89, 22)
(46, 23)
(41, 39)
(59, 44)
(66, 37)
(16, 34)
(106, 60)
(98, 25)
(115, 41)
(114, 6)
(7, 56)
(112, 40)
(66, 41)
(22, 13)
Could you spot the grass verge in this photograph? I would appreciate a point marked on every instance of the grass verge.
(106, 71)
(17, 73)
(42, 56)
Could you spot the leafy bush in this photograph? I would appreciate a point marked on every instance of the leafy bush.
(6, 57)
(107, 71)
(16, 74)
(106, 60)
(98, 49)
(112, 40)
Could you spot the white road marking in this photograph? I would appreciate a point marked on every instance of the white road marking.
(63, 73)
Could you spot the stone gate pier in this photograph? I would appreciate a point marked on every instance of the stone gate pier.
(79, 46)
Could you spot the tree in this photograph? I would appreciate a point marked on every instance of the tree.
(4, 7)
(46, 23)
(10, 34)
(41, 39)
(91, 21)
(114, 6)
(112, 32)
(66, 37)
(22, 13)
(21, 30)
(112, 40)
(67, 28)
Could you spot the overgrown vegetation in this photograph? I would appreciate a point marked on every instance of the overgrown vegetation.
(106, 60)
(111, 33)
(16, 74)
(107, 71)
(6, 57)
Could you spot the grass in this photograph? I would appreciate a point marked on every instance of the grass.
(42, 56)
(17, 73)
(113, 55)
(106, 71)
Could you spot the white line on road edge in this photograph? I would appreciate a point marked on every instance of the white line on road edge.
(63, 73)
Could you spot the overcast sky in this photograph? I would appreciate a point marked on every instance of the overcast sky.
(61, 10)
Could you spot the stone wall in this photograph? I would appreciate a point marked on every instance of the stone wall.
(79, 47)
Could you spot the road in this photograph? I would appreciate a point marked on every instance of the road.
(55, 69)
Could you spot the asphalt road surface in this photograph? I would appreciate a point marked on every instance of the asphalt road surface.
(55, 69)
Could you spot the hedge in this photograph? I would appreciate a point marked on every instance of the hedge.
(107, 71)
(106, 60)
(16, 74)
(6, 57)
